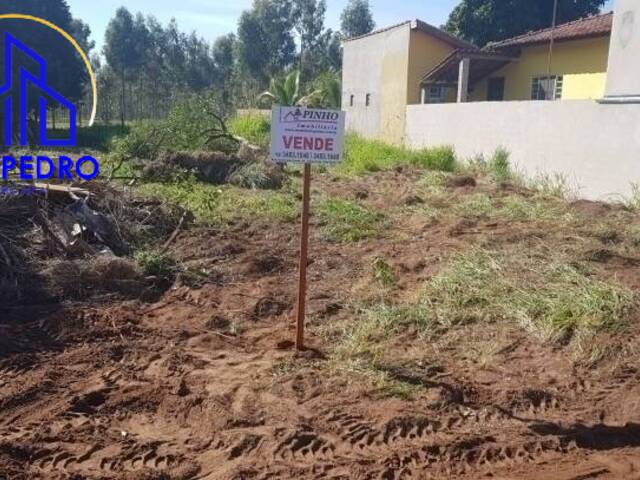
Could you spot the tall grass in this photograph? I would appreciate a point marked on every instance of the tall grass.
(220, 205)
(365, 156)
(254, 128)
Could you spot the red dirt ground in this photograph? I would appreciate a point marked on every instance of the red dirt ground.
(204, 384)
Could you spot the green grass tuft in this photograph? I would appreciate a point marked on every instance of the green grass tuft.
(347, 221)
(499, 166)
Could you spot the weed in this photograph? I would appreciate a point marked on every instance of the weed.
(535, 208)
(499, 165)
(633, 201)
(546, 295)
(383, 273)
(439, 158)
(156, 264)
(212, 204)
(477, 205)
(553, 185)
(348, 221)
(378, 323)
(474, 166)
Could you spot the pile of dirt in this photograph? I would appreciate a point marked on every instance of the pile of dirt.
(73, 242)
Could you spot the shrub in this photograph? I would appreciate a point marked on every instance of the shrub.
(156, 264)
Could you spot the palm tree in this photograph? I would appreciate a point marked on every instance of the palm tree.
(330, 89)
(284, 92)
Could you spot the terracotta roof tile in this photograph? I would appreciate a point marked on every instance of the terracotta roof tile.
(596, 26)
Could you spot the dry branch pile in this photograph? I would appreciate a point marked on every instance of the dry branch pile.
(69, 244)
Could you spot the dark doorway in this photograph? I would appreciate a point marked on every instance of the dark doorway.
(495, 92)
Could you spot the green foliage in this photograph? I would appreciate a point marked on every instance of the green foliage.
(437, 158)
(383, 273)
(283, 91)
(212, 204)
(484, 21)
(193, 124)
(156, 263)
(254, 128)
(258, 175)
(499, 165)
(266, 46)
(552, 185)
(347, 221)
(143, 140)
(327, 91)
(356, 19)
(362, 156)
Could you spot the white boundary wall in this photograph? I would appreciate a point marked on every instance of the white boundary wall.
(595, 146)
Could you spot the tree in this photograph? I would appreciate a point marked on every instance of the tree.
(308, 21)
(224, 59)
(265, 43)
(356, 19)
(120, 51)
(485, 21)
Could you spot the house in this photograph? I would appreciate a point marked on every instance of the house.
(416, 63)
(382, 73)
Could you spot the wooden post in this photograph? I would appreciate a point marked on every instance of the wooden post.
(304, 255)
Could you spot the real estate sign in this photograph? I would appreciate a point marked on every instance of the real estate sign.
(306, 135)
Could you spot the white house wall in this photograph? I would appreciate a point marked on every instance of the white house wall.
(377, 65)
(594, 146)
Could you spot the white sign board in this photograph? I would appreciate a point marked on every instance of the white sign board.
(306, 135)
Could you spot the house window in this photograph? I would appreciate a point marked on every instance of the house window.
(434, 94)
(368, 99)
(351, 100)
(547, 88)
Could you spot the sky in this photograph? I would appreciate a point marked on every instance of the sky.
(212, 18)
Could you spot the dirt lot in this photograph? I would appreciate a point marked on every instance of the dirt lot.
(204, 383)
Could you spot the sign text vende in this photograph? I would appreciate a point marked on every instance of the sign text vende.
(303, 135)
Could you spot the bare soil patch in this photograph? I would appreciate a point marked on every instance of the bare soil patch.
(203, 383)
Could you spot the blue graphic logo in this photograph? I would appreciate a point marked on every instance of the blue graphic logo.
(40, 82)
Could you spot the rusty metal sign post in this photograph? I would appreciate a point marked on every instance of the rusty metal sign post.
(305, 135)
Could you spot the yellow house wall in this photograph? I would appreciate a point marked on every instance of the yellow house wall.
(582, 62)
(425, 52)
